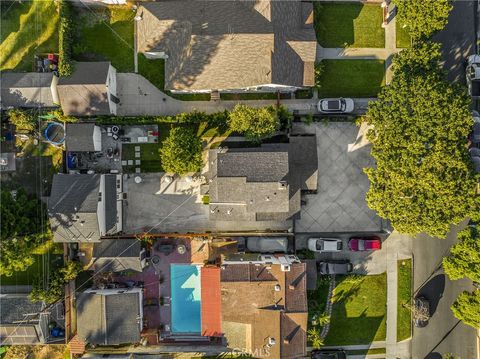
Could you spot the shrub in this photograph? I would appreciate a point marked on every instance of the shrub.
(24, 121)
(255, 123)
(66, 34)
(182, 151)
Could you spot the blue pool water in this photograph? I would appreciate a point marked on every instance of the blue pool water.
(186, 296)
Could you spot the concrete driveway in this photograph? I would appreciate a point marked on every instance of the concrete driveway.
(458, 39)
(339, 205)
(374, 262)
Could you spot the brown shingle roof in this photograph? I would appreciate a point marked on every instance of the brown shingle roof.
(229, 44)
(265, 311)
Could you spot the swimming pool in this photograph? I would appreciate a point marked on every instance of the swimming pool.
(186, 295)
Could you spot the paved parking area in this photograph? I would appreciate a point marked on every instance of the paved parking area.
(374, 262)
(339, 205)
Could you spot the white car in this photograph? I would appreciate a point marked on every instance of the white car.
(325, 244)
(335, 105)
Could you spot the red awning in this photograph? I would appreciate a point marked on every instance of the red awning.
(211, 302)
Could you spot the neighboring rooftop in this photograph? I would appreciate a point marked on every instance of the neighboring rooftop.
(21, 321)
(31, 89)
(82, 137)
(230, 44)
(82, 207)
(116, 255)
(85, 92)
(109, 317)
(271, 306)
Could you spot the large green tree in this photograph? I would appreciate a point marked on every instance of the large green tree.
(422, 18)
(423, 180)
(423, 58)
(464, 258)
(467, 308)
(24, 227)
(181, 151)
(254, 123)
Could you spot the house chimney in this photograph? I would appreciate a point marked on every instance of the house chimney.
(286, 341)
(291, 287)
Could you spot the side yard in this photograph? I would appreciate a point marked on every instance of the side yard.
(27, 28)
(353, 78)
(349, 24)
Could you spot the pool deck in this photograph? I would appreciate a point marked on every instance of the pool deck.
(164, 272)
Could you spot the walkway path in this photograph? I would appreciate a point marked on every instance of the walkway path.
(398, 247)
(138, 97)
(329, 306)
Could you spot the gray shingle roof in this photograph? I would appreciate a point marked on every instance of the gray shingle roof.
(19, 308)
(79, 137)
(74, 203)
(108, 319)
(117, 255)
(230, 44)
(85, 92)
(262, 183)
(31, 89)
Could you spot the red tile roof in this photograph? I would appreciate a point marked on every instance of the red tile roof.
(211, 302)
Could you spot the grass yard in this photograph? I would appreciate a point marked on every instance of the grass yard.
(359, 310)
(349, 24)
(404, 315)
(43, 265)
(352, 78)
(403, 39)
(153, 70)
(106, 33)
(149, 156)
(27, 28)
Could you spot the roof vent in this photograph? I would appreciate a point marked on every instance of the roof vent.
(282, 185)
(271, 341)
(229, 212)
(277, 288)
(285, 268)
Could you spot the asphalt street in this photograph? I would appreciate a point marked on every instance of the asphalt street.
(458, 39)
(444, 333)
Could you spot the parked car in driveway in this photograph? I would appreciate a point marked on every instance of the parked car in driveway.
(421, 312)
(335, 105)
(358, 244)
(334, 267)
(328, 354)
(325, 244)
(263, 244)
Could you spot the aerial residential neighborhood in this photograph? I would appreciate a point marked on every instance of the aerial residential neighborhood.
(274, 179)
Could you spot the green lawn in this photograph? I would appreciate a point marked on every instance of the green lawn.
(349, 24)
(43, 265)
(404, 315)
(403, 38)
(149, 156)
(352, 78)
(27, 28)
(153, 70)
(105, 33)
(359, 310)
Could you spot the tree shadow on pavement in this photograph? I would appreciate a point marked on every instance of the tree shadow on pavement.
(433, 291)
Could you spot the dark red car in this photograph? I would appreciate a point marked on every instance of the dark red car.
(372, 243)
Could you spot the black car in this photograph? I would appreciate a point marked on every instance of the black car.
(421, 313)
(334, 267)
(328, 354)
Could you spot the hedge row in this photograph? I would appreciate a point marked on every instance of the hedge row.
(66, 38)
(217, 118)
